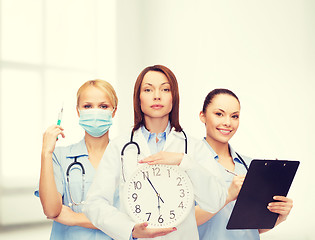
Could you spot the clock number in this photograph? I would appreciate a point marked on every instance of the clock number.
(169, 172)
(134, 196)
(172, 214)
(179, 181)
(181, 205)
(148, 216)
(182, 193)
(137, 185)
(156, 171)
(137, 210)
(145, 175)
(160, 219)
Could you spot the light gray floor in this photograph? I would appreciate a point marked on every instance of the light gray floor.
(26, 232)
(42, 232)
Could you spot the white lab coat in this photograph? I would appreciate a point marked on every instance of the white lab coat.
(210, 190)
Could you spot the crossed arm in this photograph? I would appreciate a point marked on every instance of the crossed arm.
(50, 198)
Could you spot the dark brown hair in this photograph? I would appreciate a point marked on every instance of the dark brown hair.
(174, 114)
(215, 92)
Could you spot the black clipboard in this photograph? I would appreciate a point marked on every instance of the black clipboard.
(264, 179)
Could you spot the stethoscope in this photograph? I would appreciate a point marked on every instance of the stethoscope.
(83, 181)
(131, 142)
(243, 162)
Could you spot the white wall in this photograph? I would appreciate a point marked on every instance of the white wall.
(47, 50)
(262, 50)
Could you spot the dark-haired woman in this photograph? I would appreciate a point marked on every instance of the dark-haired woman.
(161, 141)
(220, 114)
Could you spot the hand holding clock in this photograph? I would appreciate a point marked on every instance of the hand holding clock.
(140, 230)
(167, 158)
(142, 206)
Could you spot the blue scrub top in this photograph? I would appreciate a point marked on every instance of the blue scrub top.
(215, 228)
(62, 158)
(154, 146)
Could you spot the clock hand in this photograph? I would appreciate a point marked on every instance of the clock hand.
(159, 206)
(157, 194)
(160, 198)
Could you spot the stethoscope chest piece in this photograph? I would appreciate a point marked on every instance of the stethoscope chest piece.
(81, 168)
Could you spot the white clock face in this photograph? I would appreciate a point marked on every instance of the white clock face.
(161, 195)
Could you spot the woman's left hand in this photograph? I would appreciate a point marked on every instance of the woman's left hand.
(167, 158)
(283, 207)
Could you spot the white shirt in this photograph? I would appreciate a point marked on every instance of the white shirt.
(209, 188)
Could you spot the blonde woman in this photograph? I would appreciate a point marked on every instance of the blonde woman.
(67, 172)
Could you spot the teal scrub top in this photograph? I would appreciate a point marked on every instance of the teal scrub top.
(215, 228)
(62, 158)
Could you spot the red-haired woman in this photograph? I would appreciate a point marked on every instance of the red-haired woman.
(161, 139)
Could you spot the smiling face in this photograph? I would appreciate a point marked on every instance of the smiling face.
(155, 96)
(221, 118)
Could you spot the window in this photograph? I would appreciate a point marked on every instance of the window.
(48, 48)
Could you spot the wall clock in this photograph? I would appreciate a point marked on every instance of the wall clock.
(161, 195)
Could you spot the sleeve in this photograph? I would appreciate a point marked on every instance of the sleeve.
(58, 173)
(209, 187)
(99, 205)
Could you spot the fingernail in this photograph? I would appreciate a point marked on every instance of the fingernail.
(174, 228)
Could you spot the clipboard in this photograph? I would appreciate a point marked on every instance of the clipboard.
(264, 179)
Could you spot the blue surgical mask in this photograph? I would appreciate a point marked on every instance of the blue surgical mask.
(96, 122)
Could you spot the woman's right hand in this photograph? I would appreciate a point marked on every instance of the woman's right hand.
(50, 138)
(50, 198)
(141, 231)
(235, 187)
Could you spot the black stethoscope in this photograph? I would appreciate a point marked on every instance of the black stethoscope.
(131, 142)
(243, 162)
(83, 181)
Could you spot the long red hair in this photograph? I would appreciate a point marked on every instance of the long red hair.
(174, 114)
